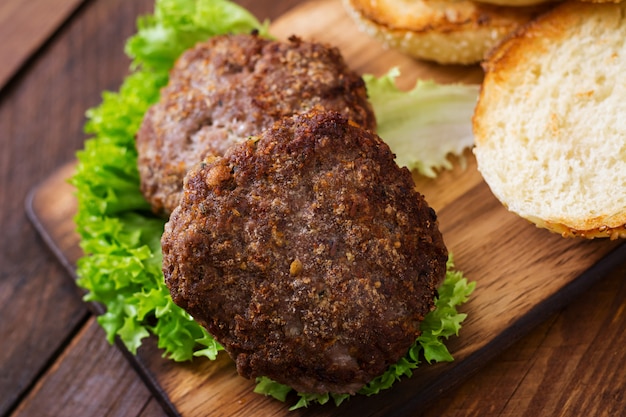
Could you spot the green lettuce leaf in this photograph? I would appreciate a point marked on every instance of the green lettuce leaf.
(121, 268)
(438, 325)
(423, 126)
(177, 25)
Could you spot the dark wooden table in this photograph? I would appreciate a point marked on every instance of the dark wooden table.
(56, 58)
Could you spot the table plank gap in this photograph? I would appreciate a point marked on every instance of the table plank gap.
(89, 374)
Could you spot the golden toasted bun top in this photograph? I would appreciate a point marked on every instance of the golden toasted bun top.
(438, 15)
(445, 31)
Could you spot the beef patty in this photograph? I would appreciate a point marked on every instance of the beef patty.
(229, 88)
(307, 253)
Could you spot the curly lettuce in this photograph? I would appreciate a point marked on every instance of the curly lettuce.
(177, 25)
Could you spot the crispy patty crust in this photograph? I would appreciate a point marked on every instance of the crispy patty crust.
(307, 253)
(230, 88)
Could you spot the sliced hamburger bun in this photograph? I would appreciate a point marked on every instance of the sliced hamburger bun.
(550, 123)
(444, 31)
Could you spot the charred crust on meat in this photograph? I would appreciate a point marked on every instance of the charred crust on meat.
(307, 253)
(229, 88)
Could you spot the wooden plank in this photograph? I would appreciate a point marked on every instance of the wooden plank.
(152, 409)
(91, 378)
(268, 10)
(524, 274)
(25, 26)
(573, 364)
(41, 119)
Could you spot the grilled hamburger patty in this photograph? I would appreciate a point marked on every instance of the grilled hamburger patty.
(307, 253)
(229, 88)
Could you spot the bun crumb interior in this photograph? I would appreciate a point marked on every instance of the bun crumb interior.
(550, 123)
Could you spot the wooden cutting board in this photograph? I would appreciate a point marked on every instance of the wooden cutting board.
(523, 274)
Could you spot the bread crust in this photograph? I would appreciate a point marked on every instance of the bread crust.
(444, 31)
(514, 72)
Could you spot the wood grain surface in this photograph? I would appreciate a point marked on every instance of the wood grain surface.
(524, 274)
(41, 119)
(53, 357)
(25, 26)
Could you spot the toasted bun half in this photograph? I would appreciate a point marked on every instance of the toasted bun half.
(550, 123)
(444, 31)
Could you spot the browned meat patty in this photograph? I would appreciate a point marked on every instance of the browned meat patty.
(229, 88)
(307, 253)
